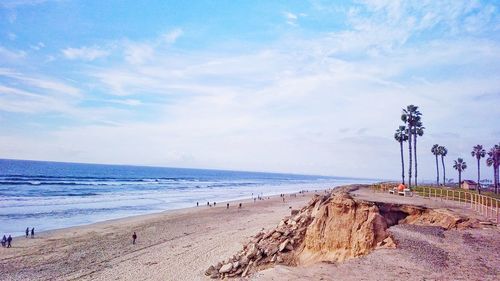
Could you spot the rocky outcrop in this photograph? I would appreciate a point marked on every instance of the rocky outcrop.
(331, 228)
(343, 228)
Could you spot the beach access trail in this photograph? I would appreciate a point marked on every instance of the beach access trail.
(173, 245)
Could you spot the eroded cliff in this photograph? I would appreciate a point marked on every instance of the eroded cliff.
(331, 228)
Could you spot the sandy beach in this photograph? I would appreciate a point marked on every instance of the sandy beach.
(173, 245)
(182, 244)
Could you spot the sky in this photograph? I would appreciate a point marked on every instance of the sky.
(308, 87)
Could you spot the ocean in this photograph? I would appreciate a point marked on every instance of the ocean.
(53, 195)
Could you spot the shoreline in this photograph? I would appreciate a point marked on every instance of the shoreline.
(173, 245)
(163, 212)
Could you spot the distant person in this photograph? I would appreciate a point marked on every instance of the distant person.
(208, 203)
(33, 232)
(227, 206)
(134, 237)
(9, 241)
(215, 203)
(239, 207)
(4, 241)
(27, 231)
(197, 204)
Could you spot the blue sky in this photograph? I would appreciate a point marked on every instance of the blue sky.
(288, 86)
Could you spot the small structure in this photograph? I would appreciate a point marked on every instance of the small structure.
(468, 184)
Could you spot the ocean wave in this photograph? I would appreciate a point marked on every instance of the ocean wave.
(84, 183)
(9, 177)
(71, 212)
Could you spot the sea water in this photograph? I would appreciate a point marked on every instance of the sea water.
(52, 195)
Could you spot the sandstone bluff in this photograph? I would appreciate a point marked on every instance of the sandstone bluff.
(331, 228)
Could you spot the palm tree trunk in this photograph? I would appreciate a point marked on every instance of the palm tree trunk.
(444, 170)
(415, 152)
(409, 161)
(478, 176)
(402, 164)
(496, 178)
(459, 178)
(437, 171)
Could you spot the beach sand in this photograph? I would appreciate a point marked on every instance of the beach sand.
(182, 244)
(173, 245)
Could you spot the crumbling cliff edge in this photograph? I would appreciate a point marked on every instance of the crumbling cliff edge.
(331, 228)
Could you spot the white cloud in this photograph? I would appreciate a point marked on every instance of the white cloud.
(11, 55)
(141, 52)
(137, 53)
(172, 36)
(85, 53)
(38, 46)
(291, 18)
(129, 102)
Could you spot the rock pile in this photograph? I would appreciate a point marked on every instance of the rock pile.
(266, 248)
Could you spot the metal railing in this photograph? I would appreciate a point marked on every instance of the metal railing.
(482, 204)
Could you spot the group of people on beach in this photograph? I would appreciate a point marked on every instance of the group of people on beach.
(215, 204)
(255, 198)
(7, 241)
(32, 232)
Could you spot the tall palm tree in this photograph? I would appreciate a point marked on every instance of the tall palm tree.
(494, 160)
(435, 151)
(401, 136)
(460, 166)
(478, 152)
(418, 130)
(443, 152)
(410, 116)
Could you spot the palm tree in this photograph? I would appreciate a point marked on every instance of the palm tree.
(410, 116)
(478, 152)
(460, 166)
(494, 160)
(435, 151)
(418, 130)
(443, 152)
(401, 136)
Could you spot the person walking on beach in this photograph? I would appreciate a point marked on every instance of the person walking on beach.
(134, 237)
(33, 232)
(9, 241)
(4, 241)
(27, 231)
